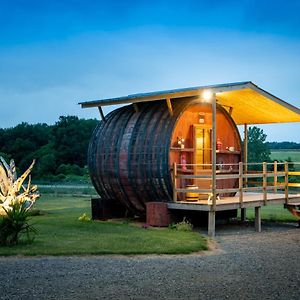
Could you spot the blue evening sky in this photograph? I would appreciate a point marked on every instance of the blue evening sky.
(55, 53)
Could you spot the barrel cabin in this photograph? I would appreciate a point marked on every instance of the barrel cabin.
(180, 147)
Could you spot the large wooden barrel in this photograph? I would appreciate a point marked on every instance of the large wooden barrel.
(129, 154)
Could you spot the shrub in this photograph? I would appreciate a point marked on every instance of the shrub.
(15, 224)
(68, 169)
(84, 218)
(184, 225)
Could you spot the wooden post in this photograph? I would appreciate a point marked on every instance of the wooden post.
(213, 149)
(286, 182)
(275, 176)
(243, 214)
(174, 182)
(241, 183)
(258, 219)
(265, 182)
(245, 156)
(211, 223)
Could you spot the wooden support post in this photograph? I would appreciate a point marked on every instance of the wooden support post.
(170, 108)
(101, 114)
(286, 182)
(214, 155)
(258, 218)
(174, 182)
(241, 183)
(245, 156)
(243, 214)
(211, 223)
(265, 182)
(136, 107)
(275, 176)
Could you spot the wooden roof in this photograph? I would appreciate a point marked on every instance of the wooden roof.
(248, 103)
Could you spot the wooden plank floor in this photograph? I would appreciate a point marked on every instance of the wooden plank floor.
(227, 203)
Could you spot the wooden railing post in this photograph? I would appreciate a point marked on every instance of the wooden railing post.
(212, 212)
(214, 148)
(275, 176)
(241, 184)
(174, 182)
(245, 158)
(286, 182)
(265, 182)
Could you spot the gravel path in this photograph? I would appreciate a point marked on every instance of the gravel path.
(245, 265)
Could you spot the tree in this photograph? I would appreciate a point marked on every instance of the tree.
(71, 138)
(258, 150)
(63, 144)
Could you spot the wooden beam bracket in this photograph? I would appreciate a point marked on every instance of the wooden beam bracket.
(136, 107)
(169, 104)
(101, 114)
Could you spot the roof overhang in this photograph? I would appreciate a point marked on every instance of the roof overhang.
(247, 103)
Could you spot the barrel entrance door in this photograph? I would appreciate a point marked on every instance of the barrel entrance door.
(202, 145)
(202, 155)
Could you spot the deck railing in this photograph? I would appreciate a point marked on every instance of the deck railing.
(252, 177)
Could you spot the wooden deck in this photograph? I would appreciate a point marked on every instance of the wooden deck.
(227, 203)
(262, 192)
(250, 200)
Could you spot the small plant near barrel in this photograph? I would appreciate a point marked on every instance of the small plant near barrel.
(15, 203)
(184, 225)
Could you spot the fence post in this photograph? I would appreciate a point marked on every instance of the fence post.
(286, 182)
(241, 184)
(275, 176)
(174, 182)
(265, 182)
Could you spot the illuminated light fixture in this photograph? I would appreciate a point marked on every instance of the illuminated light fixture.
(207, 95)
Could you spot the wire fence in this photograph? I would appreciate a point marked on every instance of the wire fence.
(71, 189)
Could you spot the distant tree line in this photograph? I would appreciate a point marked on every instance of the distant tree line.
(60, 150)
(283, 145)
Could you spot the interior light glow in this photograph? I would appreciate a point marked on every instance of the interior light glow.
(207, 95)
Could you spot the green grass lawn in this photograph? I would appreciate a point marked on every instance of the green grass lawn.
(273, 213)
(284, 155)
(60, 233)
